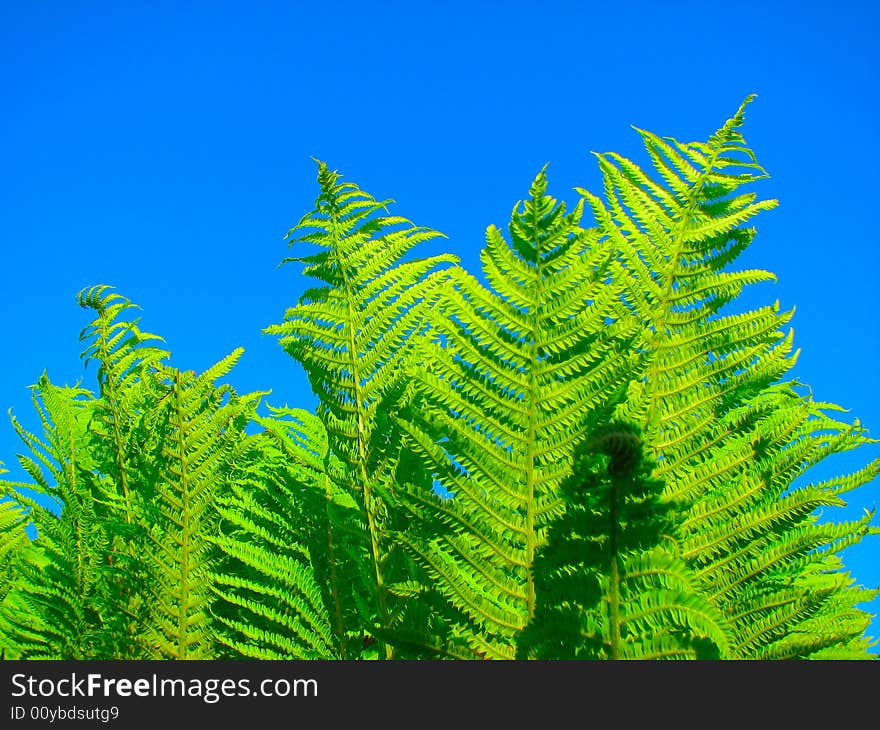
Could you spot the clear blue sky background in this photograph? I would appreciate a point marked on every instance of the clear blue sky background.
(164, 148)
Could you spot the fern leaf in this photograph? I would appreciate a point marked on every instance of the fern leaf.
(56, 605)
(728, 435)
(515, 375)
(354, 334)
(201, 427)
(294, 546)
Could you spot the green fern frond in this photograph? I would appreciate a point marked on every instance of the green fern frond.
(729, 438)
(125, 357)
(349, 334)
(509, 388)
(56, 604)
(124, 447)
(676, 243)
(354, 335)
(759, 548)
(14, 518)
(201, 427)
(295, 548)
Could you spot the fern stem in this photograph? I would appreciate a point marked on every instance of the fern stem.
(369, 505)
(110, 390)
(614, 576)
(79, 576)
(533, 400)
(184, 580)
(334, 579)
(113, 402)
(531, 542)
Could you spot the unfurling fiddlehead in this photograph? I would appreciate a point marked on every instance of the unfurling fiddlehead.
(610, 582)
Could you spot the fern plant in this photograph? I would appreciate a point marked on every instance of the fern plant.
(122, 571)
(759, 548)
(125, 357)
(13, 538)
(589, 453)
(201, 427)
(123, 448)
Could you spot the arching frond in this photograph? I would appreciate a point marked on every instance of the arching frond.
(353, 335)
(14, 540)
(517, 373)
(124, 356)
(758, 546)
(13, 519)
(729, 437)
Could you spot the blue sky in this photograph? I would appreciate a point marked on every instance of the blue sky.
(164, 148)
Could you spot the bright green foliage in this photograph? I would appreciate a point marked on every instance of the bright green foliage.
(125, 357)
(123, 572)
(675, 242)
(123, 449)
(13, 538)
(610, 583)
(55, 606)
(348, 333)
(354, 335)
(728, 442)
(517, 375)
(295, 547)
(758, 547)
(14, 544)
(587, 454)
(201, 427)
